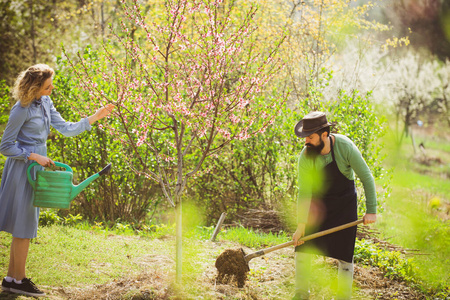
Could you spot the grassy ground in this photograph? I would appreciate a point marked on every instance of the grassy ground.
(88, 262)
(417, 215)
(78, 263)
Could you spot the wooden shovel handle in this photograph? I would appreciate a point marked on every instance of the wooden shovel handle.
(248, 257)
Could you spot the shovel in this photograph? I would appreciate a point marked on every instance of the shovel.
(235, 262)
(250, 256)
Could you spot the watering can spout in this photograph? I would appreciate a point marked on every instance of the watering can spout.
(78, 188)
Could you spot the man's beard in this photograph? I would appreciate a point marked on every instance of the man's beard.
(313, 151)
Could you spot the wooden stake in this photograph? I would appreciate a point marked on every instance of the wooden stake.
(219, 224)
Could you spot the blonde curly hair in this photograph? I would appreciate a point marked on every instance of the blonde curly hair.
(30, 82)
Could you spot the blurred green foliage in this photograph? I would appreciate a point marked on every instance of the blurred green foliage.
(257, 173)
(357, 119)
(4, 101)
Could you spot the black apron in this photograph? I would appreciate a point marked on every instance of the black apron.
(338, 205)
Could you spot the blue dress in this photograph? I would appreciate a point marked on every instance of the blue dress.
(26, 132)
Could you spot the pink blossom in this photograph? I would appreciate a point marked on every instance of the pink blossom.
(194, 80)
(139, 142)
(242, 103)
(234, 119)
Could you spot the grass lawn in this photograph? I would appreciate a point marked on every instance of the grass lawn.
(64, 255)
(417, 214)
(81, 263)
(72, 262)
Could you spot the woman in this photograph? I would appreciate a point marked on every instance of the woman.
(23, 142)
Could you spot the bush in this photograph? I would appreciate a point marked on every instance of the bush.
(49, 217)
(392, 263)
(261, 172)
(257, 173)
(357, 119)
(120, 194)
(4, 112)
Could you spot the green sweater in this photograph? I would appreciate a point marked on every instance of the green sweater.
(349, 161)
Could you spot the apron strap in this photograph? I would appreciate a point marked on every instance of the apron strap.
(331, 145)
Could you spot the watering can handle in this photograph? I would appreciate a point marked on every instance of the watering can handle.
(58, 164)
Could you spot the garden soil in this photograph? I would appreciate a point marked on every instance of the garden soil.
(232, 267)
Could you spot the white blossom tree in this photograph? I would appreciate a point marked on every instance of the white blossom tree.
(443, 94)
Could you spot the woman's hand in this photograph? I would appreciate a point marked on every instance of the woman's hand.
(101, 113)
(42, 160)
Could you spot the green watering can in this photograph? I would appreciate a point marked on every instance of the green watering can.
(54, 189)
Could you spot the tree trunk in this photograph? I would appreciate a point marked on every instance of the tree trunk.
(32, 32)
(102, 20)
(412, 139)
(179, 261)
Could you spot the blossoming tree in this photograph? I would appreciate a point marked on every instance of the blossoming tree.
(185, 82)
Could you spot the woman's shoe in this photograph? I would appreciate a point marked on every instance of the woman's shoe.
(27, 287)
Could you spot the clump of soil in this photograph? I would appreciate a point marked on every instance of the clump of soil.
(232, 267)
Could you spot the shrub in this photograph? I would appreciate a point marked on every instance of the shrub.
(261, 172)
(392, 263)
(120, 194)
(49, 217)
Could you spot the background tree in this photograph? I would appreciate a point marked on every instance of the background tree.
(31, 31)
(442, 100)
(427, 22)
(410, 98)
(317, 31)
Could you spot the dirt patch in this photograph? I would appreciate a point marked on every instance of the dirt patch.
(232, 267)
(152, 285)
(269, 274)
(372, 281)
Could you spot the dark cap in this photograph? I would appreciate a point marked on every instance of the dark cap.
(312, 122)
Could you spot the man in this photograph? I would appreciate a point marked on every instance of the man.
(327, 198)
